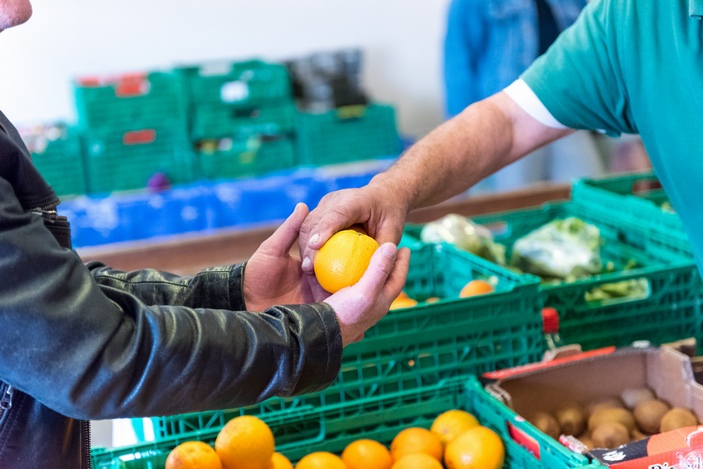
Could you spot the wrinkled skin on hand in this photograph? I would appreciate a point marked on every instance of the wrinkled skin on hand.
(275, 277)
(379, 209)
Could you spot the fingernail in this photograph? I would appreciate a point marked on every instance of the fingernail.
(306, 263)
(389, 250)
(313, 239)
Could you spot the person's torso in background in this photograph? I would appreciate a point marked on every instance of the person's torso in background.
(507, 44)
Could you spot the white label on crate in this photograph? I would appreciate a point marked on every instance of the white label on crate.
(234, 91)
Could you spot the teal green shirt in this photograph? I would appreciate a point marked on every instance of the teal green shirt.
(636, 66)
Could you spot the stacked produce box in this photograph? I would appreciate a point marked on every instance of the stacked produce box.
(242, 117)
(134, 127)
(337, 123)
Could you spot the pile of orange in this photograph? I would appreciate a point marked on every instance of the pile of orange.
(245, 442)
(455, 438)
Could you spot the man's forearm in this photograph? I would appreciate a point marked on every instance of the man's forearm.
(453, 157)
(485, 137)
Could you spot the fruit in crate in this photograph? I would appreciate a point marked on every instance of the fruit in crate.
(476, 448)
(676, 418)
(321, 460)
(193, 455)
(476, 287)
(403, 301)
(245, 442)
(649, 414)
(279, 461)
(610, 434)
(367, 454)
(417, 461)
(343, 259)
(450, 424)
(416, 440)
(571, 419)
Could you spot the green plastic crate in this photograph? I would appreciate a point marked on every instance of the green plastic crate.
(347, 134)
(332, 428)
(125, 160)
(236, 158)
(422, 345)
(124, 101)
(495, 415)
(58, 155)
(636, 199)
(670, 310)
(221, 121)
(241, 83)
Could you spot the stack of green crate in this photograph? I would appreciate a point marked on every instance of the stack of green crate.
(57, 154)
(331, 427)
(134, 128)
(666, 309)
(346, 134)
(639, 201)
(241, 117)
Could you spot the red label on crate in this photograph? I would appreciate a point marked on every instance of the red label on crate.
(524, 440)
(508, 372)
(132, 85)
(139, 137)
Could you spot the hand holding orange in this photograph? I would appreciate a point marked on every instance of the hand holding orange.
(343, 259)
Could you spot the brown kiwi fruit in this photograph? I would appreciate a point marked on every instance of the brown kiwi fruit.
(614, 414)
(676, 418)
(546, 423)
(610, 435)
(649, 413)
(572, 419)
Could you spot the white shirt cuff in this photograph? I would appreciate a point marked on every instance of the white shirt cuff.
(523, 95)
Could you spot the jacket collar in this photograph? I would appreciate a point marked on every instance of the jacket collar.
(695, 8)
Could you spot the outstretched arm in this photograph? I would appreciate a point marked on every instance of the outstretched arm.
(485, 137)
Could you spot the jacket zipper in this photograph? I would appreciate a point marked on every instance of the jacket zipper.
(85, 427)
(6, 401)
(48, 212)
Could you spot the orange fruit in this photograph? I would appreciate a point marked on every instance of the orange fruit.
(476, 287)
(450, 424)
(245, 442)
(343, 259)
(476, 448)
(280, 462)
(432, 299)
(367, 454)
(417, 461)
(402, 301)
(193, 455)
(321, 460)
(416, 440)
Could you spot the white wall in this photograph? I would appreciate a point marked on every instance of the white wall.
(401, 40)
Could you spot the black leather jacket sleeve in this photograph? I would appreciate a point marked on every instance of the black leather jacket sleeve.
(91, 343)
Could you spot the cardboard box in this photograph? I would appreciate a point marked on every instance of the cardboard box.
(605, 373)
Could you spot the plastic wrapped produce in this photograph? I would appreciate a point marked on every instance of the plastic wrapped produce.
(562, 249)
(464, 234)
